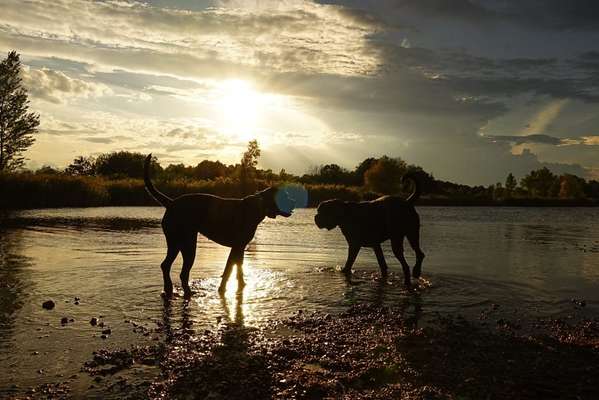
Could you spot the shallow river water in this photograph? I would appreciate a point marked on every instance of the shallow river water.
(105, 262)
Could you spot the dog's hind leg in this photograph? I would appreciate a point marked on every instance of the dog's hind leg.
(397, 246)
(171, 254)
(188, 251)
(414, 239)
(381, 259)
(352, 254)
(234, 256)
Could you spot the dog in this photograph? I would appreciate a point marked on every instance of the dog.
(369, 223)
(228, 222)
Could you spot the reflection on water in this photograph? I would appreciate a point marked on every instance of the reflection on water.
(15, 282)
(533, 260)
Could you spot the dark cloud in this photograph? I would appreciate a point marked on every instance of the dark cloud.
(543, 139)
(540, 14)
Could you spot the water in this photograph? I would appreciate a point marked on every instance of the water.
(533, 260)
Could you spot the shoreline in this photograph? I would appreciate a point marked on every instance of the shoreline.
(423, 202)
(368, 351)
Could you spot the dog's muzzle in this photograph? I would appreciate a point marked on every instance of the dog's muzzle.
(318, 221)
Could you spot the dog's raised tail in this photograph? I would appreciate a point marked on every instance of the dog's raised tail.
(417, 190)
(161, 198)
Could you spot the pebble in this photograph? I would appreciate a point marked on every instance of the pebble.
(93, 321)
(64, 320)
(107, 331)
(48, 304)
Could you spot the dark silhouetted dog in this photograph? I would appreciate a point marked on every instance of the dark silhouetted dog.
(369, 223)
(228, 222)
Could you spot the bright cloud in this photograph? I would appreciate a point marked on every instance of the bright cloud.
(56, 86)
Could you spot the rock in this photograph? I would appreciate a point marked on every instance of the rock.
(93, 321)
(64, 320)
(107, 331)
(76, 303)
(104, 336)
(48, 304)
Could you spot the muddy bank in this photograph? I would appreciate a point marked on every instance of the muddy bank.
(367, 352)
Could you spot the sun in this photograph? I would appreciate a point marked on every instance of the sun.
(239, 106)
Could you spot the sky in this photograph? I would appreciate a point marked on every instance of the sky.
(470, 90)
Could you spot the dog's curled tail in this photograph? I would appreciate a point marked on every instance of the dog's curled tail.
(417, 190)
(161, 198)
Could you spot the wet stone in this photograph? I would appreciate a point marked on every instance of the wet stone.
(48, 304)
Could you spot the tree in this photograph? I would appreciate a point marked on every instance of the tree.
(124, 164)
(385, 175)
(497, 191)
(247, 167)
(362, 168)
(207, 169)
(249, 160)
(84, 166)
(17, 125)
(510, 184)
(47, 170)
(571, 187)
(541, 182)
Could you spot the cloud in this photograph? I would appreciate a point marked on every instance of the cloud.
(545, 139)
(310, 37)
(535, 138)
(539, 14)
(56, 87)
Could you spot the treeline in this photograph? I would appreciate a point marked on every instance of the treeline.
(117, 179)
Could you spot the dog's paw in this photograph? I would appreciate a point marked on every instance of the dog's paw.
(416, 272)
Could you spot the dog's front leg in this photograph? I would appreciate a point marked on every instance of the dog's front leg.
(240, 280)
(234, 257)
(378, 251)
(352, 253)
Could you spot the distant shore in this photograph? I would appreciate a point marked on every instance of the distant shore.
(60, 191)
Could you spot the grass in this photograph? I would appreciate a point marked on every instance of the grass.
(28, 190)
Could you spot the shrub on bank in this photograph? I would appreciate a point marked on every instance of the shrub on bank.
(27, 190)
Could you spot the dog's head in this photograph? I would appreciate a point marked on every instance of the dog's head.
(275, 201)
(329, 214)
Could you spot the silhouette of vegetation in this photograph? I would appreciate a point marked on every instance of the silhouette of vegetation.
(247, 167)
(17, 125)
(115, 179)
(382, 176)
(84, 166)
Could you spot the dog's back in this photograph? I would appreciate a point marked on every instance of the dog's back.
(373, 222)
